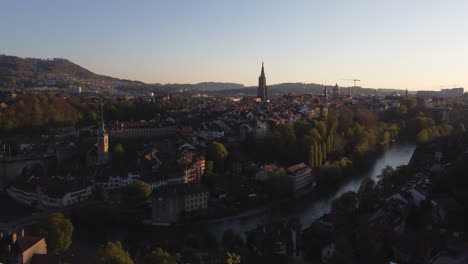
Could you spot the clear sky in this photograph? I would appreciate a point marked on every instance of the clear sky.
(415, 44)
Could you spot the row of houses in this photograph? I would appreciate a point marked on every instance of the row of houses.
(55, 192)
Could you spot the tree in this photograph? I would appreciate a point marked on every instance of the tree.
(113, 253)
(101, 193)
(231, 240)
(311, 157)
(217, 153)
(233, 258)
(347, 203)
(119, 148)
(160, 256)
(460, 129)
(57, 231)
(136, 193)
(367, 194)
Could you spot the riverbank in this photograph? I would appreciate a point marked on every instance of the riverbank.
(311, 206)
(320, 198)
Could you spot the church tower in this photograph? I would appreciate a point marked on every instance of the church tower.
(262, 91)
(336, 90)
(325, 95)
(102, 156)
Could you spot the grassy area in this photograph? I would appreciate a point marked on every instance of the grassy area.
(11, 210)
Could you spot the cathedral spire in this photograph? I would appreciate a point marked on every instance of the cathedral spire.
(262, 91)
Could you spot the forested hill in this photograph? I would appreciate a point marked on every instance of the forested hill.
(29, 72)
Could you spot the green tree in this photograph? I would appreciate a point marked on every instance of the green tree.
(57, 231)
(233, 258)
(136, 193)
(460, 129)
(217, 153)
(101, 193)
(311, 157)
(113, 253)
(119, 148)
(160, 256)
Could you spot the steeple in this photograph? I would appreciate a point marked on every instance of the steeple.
(103, 156)
(262, 91)
(325, 94)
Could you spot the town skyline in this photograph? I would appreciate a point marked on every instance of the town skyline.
(418, 45)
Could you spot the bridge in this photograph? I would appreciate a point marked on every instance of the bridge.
(12, 167)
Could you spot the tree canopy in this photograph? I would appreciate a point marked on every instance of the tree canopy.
(57, 231)
(217, 153)
(160, 256)
(136, 193)
(346, 203)
(113, 253)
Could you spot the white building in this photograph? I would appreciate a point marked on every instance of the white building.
(49, 193)
(300, 176)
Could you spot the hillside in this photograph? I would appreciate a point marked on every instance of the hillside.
(29, 72)
(213, 86)
(16, 72)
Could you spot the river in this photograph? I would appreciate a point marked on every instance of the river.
(396, 155)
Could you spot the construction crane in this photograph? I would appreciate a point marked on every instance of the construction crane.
(354, 80)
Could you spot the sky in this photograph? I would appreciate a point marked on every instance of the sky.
(414, 44)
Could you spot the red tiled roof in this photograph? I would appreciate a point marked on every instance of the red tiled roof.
(297, 167)
(26, 242)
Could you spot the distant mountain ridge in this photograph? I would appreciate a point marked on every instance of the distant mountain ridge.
(212, 86)
(17, 72)
(29, 72)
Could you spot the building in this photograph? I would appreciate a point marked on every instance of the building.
(263, 174)
(53, 193)
(102, 155)
(336, 90)
(262, 91)
(20, 249)
(327, 252)
(169, 202)
(446, 93)
(144, 131)
(56, 259)
(113, 179)
(452, 93)
(192, 164)
(273, 239)
(300, 176)
(99, 154)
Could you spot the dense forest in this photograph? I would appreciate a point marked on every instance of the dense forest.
(35, 113)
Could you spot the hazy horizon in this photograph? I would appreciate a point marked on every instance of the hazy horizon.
(419, 45)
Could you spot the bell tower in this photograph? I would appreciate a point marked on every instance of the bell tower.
(102, 155)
